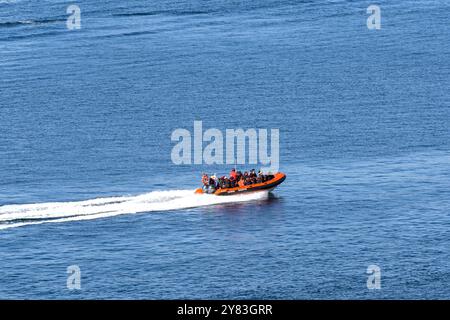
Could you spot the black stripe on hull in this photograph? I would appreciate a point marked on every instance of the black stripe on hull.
(252, 189)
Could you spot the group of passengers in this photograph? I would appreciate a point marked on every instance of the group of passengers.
(236, 179)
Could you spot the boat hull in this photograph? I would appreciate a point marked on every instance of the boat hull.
(268, 186)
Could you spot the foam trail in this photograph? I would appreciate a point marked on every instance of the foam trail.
(12, 216)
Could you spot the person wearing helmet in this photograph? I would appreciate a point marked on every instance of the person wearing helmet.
(212, 180)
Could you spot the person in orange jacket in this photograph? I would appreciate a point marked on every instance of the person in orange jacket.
(233, 174)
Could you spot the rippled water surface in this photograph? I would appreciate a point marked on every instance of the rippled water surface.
(86, 176)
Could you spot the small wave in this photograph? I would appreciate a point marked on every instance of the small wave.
(12, 216)
(10, 24)
(8, 1)
(160, 12)
(33, 35)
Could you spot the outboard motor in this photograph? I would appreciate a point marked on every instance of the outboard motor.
(211, 189)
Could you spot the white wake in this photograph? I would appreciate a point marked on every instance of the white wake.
(12, 216)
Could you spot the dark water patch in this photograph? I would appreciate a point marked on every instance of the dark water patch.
(32, 22)
(31, 36)
(161, 12)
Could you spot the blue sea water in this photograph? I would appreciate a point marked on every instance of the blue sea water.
(86, 176)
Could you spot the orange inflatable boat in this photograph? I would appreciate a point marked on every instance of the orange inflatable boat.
(268, 185)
